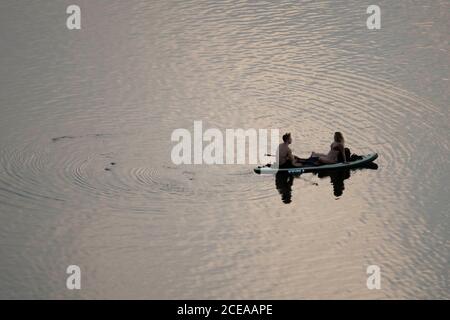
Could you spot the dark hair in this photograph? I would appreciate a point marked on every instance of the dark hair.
(338, 137)
(286, 136)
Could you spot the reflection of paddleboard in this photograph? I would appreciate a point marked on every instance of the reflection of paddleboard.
(325, 167)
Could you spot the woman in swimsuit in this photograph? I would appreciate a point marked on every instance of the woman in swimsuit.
(336, 148)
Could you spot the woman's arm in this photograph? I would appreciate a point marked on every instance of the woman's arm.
(342, 151)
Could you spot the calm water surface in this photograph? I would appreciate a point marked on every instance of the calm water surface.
(73, 102)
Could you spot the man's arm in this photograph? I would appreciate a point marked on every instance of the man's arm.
(290, 156)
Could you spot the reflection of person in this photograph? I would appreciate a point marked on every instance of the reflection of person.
(338, 177)
(337, 181)
(337, 149)
(283, 183)
(285, 158)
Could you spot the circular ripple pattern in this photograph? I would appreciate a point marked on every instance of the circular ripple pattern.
(73, 169)
(384, 119)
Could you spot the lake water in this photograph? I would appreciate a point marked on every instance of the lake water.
(73, 102)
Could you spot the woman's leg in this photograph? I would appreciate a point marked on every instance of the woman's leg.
(325, 159)
(316, 154)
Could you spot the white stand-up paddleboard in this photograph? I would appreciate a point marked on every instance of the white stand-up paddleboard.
(326, 167)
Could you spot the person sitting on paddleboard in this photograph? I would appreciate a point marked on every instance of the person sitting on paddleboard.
(337, 150)
(285, 158)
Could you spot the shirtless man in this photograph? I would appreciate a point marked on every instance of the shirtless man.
(285, 158)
